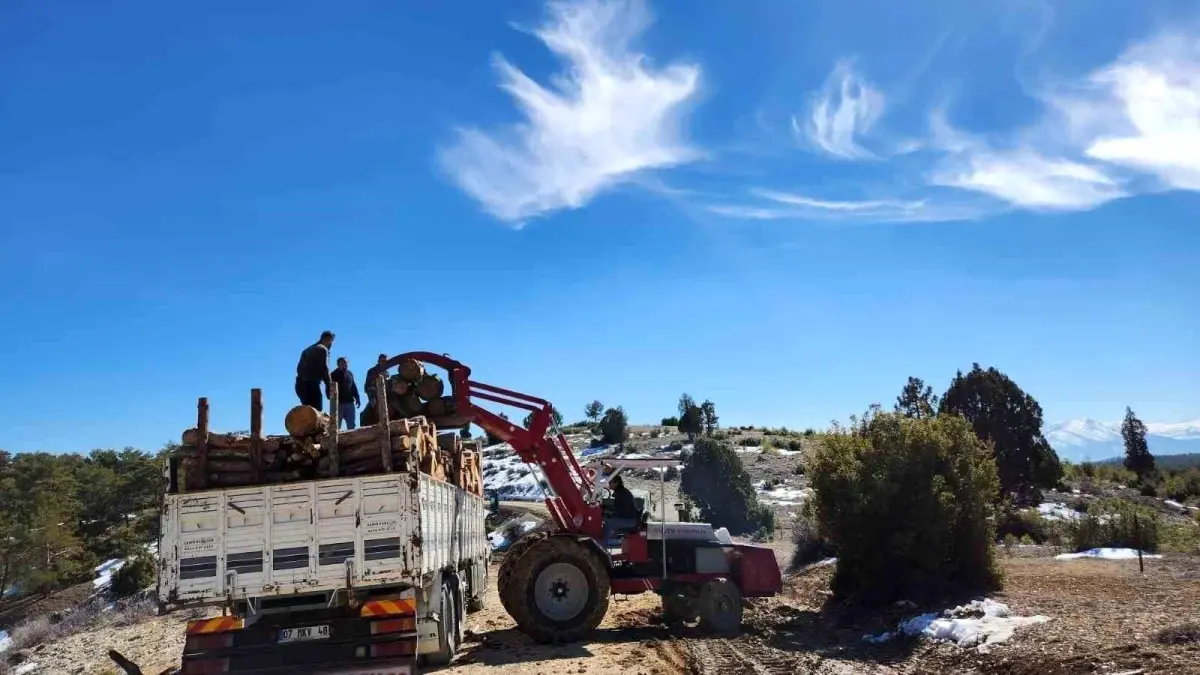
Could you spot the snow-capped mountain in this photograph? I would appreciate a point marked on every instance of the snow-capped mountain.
(1086, 439)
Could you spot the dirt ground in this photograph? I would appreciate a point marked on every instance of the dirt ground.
(1105, 618)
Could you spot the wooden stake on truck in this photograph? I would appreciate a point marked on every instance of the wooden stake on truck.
(331, 433)
(256, 413)
(385, 431)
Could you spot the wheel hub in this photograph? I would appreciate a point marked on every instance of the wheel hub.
(561, 591)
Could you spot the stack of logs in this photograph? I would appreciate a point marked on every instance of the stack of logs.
(410, 392)
(315, 449)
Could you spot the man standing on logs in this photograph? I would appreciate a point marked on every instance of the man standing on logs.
(312, 370)
(348, 400)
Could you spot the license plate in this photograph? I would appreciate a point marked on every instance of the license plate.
(306, 633)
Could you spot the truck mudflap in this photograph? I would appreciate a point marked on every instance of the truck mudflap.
(374, 641)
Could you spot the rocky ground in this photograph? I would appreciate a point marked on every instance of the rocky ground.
(1105, 617)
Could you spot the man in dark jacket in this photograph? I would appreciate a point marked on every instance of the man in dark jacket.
(348, 401)
(312, 370)
(625, 511)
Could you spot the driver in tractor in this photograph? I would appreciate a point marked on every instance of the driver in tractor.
(625, 515)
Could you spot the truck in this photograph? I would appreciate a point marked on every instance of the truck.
(369, 573)
(363, 574)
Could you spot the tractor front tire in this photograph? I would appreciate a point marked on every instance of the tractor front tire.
(559, 590)
(504, 585)
(720, 607)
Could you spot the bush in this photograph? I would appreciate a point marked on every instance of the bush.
(908, 505)
(809, 433)
(614, 426)
(1112, 524)
(751, 442)
(795, 444)
(1020, 524)
(135, 575)
(1181, 485)
(671, 473)
(715, 481)
(810, 545)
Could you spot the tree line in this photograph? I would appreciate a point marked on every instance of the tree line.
(61, 515)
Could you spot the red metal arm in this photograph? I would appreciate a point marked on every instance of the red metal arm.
(552, 455)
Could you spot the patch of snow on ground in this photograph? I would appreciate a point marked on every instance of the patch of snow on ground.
(1057, 511)
(784, 496)
(748, 449)
(5, 641)
(1172, 503)
(25, 668)
(104, 572)
(1106, 554)
(963, 625)
(510, 478)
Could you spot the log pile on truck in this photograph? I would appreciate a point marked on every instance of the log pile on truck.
(314, 448)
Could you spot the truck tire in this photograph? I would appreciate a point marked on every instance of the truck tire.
(504, 577)
(559, 590)
(448, 631)
(720, 607)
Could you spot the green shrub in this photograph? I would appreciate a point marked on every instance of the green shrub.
(1182, 485)
(1026, 540)
(1113, 524)
(795, 444)
(809, 433)
(137, 574)
(1019, 523)
(1179, 538)
(751, 441)
(715, 480)
(810, 545)
(907, 503)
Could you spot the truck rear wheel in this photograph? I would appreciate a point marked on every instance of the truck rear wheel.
(504, 576)
(559, 590)
(448, 630)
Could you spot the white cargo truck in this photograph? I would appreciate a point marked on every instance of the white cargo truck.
(340, 575)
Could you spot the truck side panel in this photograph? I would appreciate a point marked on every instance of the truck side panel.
(298, 537)
(453, 525)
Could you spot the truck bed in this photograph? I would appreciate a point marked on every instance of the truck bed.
(314, 536)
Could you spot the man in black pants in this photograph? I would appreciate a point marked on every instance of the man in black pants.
(312, 370)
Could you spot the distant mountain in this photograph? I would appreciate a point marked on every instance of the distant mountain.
(1085, 439)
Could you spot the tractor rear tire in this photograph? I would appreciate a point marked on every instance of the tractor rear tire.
(678, 608)
(504, 585)
(720, 607)
(559, 590)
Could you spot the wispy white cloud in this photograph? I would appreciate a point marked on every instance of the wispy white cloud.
(1102, 137)
(609, 115)
(779, 205)
(846, 108)
(1156, 87)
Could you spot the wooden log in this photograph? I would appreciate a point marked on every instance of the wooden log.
(410, 405)
(191, 451)
(357, 436)
(230, 466)
(330, 444)
(303, 421)
(400, 445)
(398, 386)
(385, 431)
(230, 441)
(411, 370)
(448, 441)
(256, 439)
(430, 387)
(202, 438)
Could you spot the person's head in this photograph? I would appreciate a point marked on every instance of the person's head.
(382, 358)
(342, 363)
(326, 338)
(617, 483)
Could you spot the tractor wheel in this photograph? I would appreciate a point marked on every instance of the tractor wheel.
(678, 608)
(559, 591)
(720, 607)
(504, 576)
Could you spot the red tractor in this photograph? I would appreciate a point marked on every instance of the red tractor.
(556, 585)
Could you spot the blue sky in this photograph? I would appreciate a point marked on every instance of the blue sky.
(784, 207)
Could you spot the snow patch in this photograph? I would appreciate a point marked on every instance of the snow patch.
(25, 668)
(1057, 511)
(782, 495)
(975, 624)
(1174, 504)
(5, 641)
(1106, 554)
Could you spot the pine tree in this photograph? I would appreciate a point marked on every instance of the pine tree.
(1004, 415)
(614, 426)
(593, 411)
(1137, 454)
(708, 412)
(916, 400)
